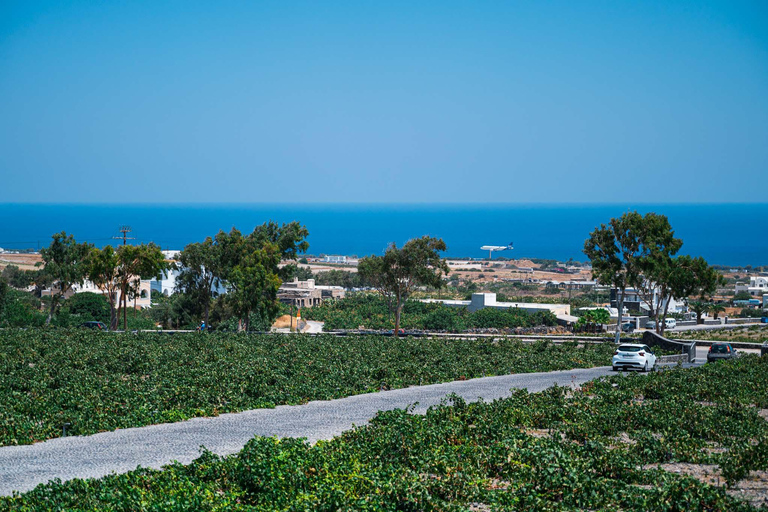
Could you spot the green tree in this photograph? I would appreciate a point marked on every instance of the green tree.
(716, 309)
(614, 251)
(88, 306)
(742, 296)
(103, 270)
(200, 273)
(21, 309)
(658, 267)
(137, 262)
(16, 277)
(250, 267)
(64, 264)
(3, 293)
(698, 307)
(290, 239)
(400, 271)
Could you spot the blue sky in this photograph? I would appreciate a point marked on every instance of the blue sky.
(419, 102)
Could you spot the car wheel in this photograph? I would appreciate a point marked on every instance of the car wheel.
(615, 369)
(645, 367)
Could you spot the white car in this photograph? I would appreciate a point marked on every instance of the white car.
(635, 356)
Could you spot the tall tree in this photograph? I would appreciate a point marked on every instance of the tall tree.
(250, 266)
(200, 273)
(658, 268)
(254, 284)
(290, 240)
(103, 270)
(400, 271)
(686, 277)
(614, 251)
(137, 262)
(64, 264)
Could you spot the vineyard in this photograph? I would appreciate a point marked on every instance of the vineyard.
(680, 440)
(86, 381)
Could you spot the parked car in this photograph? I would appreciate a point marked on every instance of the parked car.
(669, 323)
(101, 326)
(633, 355)
(628, 327)
(764, 320)
(721, 351)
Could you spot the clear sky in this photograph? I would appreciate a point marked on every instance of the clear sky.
(498, 101)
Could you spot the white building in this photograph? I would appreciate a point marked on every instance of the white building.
(342, 260)
(167, 283)
(758, 286)
(307, 293)
(634, 300)
(142, 300)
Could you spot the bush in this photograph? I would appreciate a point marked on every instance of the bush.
(21, 309)
(87, 306)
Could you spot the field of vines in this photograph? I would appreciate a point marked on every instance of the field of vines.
(370, 311)
(98, 381)
(679, 440)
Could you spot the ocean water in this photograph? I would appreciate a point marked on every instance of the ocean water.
(731, 234)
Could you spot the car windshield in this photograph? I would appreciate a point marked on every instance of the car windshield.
(721, 349)
(630, 348)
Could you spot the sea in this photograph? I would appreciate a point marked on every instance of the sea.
(724, 234)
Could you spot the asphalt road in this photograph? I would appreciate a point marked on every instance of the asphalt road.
(24, 467)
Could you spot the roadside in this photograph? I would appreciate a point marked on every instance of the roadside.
(24, 467)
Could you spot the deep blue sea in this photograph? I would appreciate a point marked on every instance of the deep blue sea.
(733, 234)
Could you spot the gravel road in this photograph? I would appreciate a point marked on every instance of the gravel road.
(24, 467)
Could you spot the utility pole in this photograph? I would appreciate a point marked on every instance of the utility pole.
(124, 230)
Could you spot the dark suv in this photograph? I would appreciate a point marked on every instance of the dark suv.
(721, 351)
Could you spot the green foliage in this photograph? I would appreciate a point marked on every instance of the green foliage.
(371, 311)
(342, 278)
(16, 277)
(201, 271)
(742, 296)
(250, 267)
(592, 318)
(597, 448)
(401, 270)
(3, 293)
(177, 311)
(751, 313)
(64, 265)
(21, 309)
(100, 381)
(87, 306)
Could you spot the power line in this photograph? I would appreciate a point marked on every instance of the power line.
(124, 230)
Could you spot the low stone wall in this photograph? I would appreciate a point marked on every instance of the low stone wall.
(673, 359)
(652, 339)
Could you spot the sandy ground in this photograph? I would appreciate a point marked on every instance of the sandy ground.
(507, 273)
(23, 261)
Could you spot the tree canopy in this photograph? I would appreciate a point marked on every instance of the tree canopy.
(401, 270)
(64, 266)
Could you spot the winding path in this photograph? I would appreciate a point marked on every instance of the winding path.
(24, 467)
